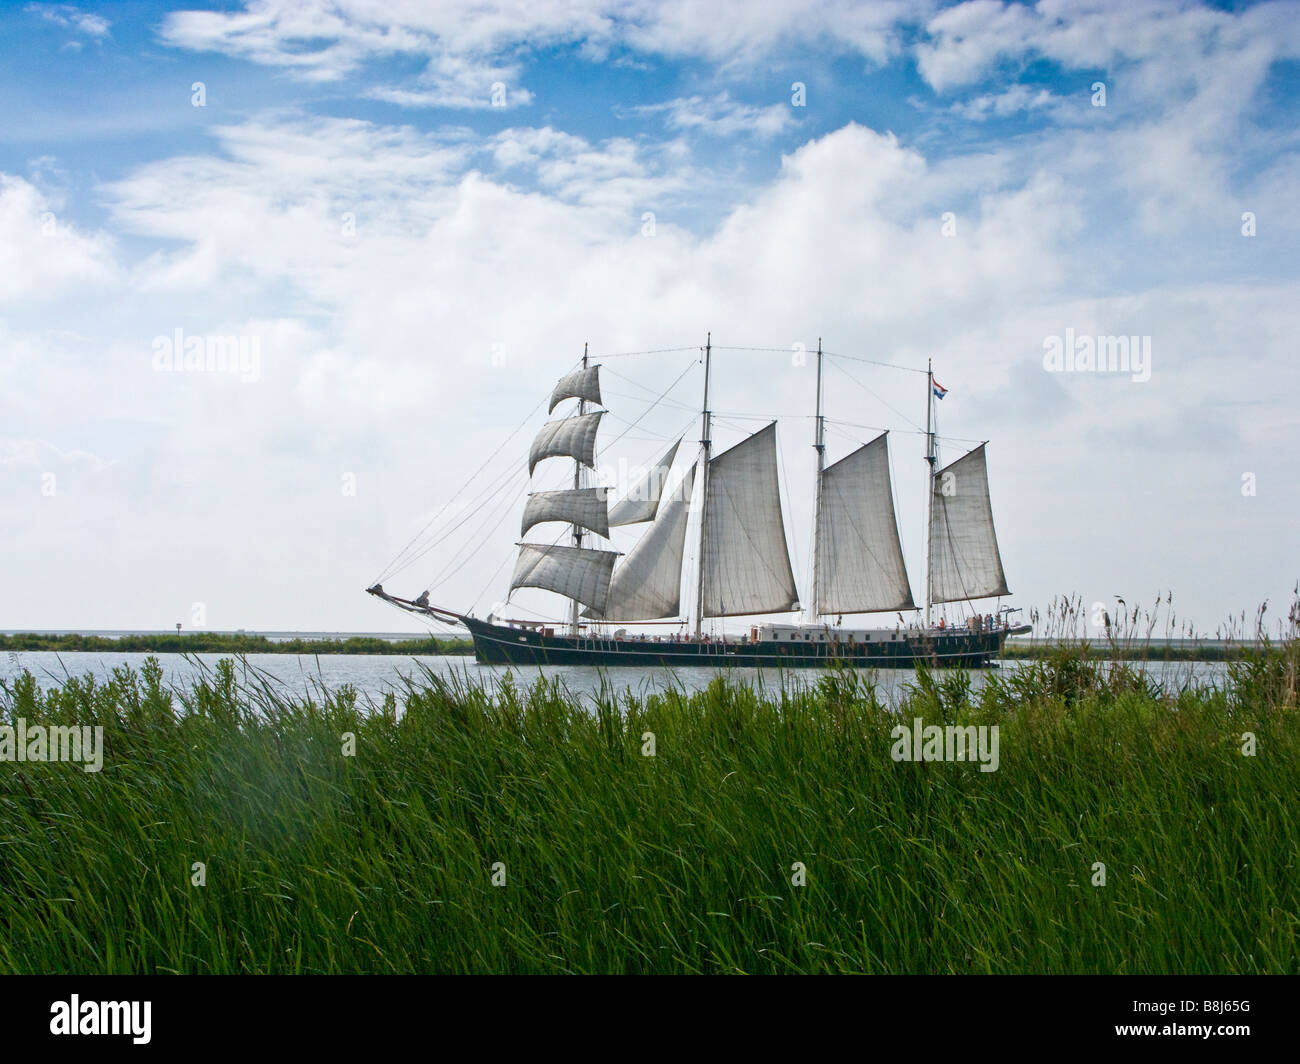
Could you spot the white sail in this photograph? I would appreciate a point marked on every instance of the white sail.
(746, 561)
(577, 506)
(642, 500)
(573, 572)
(647, 585)
(964, 558)
(571, 437)
(859, 557)
(582, 384)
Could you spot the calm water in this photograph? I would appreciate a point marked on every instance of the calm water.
(373, 676)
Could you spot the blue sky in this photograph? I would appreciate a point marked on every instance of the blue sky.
(487, 243)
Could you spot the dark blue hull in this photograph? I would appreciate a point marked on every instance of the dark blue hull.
(496, 644)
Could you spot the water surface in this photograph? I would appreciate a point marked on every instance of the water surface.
(374, 676)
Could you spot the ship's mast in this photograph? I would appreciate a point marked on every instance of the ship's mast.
(929, 476)
(577, 529)
(819, 444)
(706, 450)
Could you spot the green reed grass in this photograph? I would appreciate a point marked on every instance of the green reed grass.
(680, 862)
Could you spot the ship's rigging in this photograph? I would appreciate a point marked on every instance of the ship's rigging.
(740, 557)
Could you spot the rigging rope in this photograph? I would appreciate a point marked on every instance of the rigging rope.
(826, 354)
(855, 380)
(656, 351)
(874, 362)
(391, 570)
(482, 538)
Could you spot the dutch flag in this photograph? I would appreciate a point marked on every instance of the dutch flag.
(939, 390)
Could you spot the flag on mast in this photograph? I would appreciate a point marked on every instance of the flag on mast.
(939, 390)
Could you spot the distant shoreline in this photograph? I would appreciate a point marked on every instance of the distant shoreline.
(232, 643)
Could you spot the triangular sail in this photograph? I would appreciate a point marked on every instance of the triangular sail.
(859, 557)
(581, 384)
(647, 584)
(746, 562)
(570, 437)
(642, 500)
(573, 572)
(585, 507)
(964, 558)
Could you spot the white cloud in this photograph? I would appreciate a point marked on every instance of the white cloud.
(317, 41)
(1016, 99)
(721, 116)
(327, 39)
(41, 255)
(463, 82)
(70, 17)
(745, 31)
(325, 176)
(1171, 43)
(965, 40)
(1181, 85)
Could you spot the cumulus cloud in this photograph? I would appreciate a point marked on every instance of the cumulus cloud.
(41, 255)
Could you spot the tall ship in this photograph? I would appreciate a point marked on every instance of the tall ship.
(731, 503)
